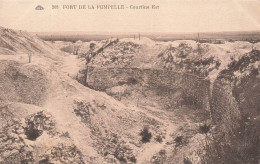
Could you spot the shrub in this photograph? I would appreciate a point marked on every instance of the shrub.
(158, 139)
(131, 80)
(44, 161)
(178, 139)
(92, 46)
(204, 129)
(146, 135)
(162, 152)
(186, 161)
(132, 159)
(120, 83)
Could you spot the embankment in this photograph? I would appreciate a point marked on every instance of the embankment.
(235, 109)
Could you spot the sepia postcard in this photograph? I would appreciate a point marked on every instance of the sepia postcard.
(129, 82)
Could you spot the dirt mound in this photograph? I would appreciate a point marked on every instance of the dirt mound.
(13, 42)
(111, 140)
(22, 82)
(111, 52)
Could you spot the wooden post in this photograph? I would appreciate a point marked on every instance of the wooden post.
(30, 57)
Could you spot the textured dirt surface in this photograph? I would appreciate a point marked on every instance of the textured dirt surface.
(47, 116)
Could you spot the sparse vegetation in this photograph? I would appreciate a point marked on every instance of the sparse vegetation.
(83, 110)
(159, 139)
(187, 59)
(160, 157)
(186, 161)
(131, 81)
(133, 159)
(178, 140)
(92, 46)
(146, 135)
(44, 161)
(204, 129)
(36, 124)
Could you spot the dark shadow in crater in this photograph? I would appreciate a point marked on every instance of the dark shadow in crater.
(32, 132)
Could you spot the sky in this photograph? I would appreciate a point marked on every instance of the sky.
(172, 16)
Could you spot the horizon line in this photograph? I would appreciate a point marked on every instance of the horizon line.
(156, 32)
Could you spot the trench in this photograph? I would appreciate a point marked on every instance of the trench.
(194, 90)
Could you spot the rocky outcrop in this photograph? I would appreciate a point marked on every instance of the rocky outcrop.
(33, 138)
(189, 58)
